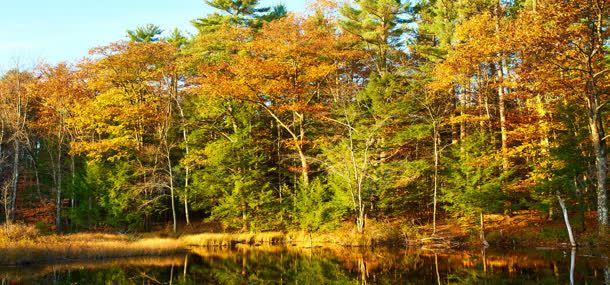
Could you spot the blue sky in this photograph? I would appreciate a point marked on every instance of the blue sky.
(52, 31)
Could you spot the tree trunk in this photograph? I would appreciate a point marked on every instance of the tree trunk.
(171, 275)
(436, 163)
(297, 119)
(594, 96)
(601, 161)
(186, 197)
(484, 258)
(482, 231)
(37, 177)
(304, 167)
(15, 182)
(566, 220)
(572, 264)
(607, 272)
(6, 200)
(502, 113)
(462, 121)
(1, 137)
(360, 220)
(186, 266)
(58, 189)
(171, 190)
(501, 94)
(73, 188)
(186, 149)
(489, 121)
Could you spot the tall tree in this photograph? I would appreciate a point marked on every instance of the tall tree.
(58, 89)
(281, 70)
(143, 34)
(15, 113)
(573, 44)
(242, 13)
(130, 116)
(381, 26)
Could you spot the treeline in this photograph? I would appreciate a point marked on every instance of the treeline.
(367, 110)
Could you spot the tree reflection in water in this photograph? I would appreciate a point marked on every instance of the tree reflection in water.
(276, 265)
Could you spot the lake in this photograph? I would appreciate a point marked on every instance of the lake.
(278, 265)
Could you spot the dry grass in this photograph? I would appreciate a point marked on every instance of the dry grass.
(230, 240)
(17, 232)
(376, 233)
(21, 245)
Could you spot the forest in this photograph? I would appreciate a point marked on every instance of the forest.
(353, 113)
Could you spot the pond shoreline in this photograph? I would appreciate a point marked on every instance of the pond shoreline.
(21, 244)
(87, 247)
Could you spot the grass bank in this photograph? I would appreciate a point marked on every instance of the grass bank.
(526, 229)
(376, 234)
(24, 245)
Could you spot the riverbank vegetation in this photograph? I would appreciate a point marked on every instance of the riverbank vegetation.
(363, 113)
(23, 245)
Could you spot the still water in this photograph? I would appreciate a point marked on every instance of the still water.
(274, 265)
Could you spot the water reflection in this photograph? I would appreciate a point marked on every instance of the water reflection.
(275, 265)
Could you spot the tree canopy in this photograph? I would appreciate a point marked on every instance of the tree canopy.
(357, 111)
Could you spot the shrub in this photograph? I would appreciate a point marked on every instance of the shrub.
(553, 233)
(18, 232)
(43, 228)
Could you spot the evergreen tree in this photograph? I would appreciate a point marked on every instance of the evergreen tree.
(145, 34)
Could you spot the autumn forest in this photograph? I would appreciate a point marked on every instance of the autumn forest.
(352, 115)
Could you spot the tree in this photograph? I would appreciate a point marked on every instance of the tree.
(238, 13)
(281, 70)
(350, 165)
(145, 34)
(131, 116)
(380, 25)
(15, 113)
(232, 176)
(572, 44)
(57, 90)
(321, 206)
(474, 180)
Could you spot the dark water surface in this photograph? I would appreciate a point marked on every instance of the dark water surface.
(272, 265)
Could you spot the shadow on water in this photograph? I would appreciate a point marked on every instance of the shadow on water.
(277, 265)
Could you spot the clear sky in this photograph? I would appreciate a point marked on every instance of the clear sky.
(52, 31)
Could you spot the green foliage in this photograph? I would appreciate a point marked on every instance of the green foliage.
(148, 33)
(351, 170)
(560, 169)
(553, 233)
(85, 211)
(402, 186)
(231, 180)
(357, 99)
(43, 228)
(320, 207)
(474, 178)
(116, 200)
(380, 24)
(177, 38)
(237, 13)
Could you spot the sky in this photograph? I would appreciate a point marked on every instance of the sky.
(53, 31)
